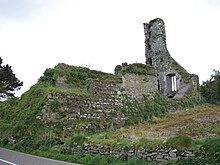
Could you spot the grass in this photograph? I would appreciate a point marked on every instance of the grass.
(189, 114)
(71, 91)
(180, 69)
(91, 159)
(18, 118)
(180, 142)
(136, 136)
(74, 77)
(189, 122)
(138, 68)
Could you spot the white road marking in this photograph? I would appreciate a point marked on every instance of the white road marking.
(7, 162)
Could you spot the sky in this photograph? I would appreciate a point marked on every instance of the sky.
(39, 34)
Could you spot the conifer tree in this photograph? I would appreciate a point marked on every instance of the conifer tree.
(8, 81)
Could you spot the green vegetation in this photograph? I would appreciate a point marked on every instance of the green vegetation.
(208, 152)
(211, 88)
(18, 118)
(46, 144)
(136, 68)
(91, 159)
(181, 142)
(144, 110)
(211, 148)
(8, 81)
(179, 68)
(79, 139)
(155, 106)
(18, 115)
(147, 126)
(150, 143)
(74, 77)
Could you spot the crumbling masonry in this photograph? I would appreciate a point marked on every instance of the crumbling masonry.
(170, 79)
(99, 104)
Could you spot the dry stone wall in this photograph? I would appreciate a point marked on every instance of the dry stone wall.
(99, 107)
(163, 154)
(98, 110)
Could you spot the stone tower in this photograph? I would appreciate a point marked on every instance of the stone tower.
(155, 42)
(173, 79)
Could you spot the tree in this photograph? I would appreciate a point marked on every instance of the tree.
(8, 81)
(211, 88)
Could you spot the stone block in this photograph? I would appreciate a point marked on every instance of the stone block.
(159, 157)
(172, 155)
(189, 155)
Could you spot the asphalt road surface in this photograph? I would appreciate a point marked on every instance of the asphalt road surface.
(8, 157)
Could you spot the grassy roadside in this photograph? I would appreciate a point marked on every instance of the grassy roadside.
(186, 134)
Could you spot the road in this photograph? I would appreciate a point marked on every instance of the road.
(8, 157)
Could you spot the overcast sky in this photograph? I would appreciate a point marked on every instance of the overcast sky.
(39, 34)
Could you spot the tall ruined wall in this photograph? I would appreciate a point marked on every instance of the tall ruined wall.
(173, 79)
(155, 43)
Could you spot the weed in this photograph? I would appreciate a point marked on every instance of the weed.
(79, 139)
(181, 142)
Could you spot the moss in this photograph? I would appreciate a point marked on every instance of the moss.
(181, 142)
(138, 68)
(22, 113)
(79, 139)
(116, 144)
(150, 144)
(55, 105)
(74, 77)
(72, 91)
(185, 75)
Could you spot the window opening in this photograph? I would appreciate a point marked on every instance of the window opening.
(158, 83)
(149, 61)
(171, 85)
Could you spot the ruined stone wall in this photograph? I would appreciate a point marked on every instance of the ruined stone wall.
(100, 104)
(155, 42)
(159, 57)
(96, 111)
(139, 85)
(99, 108)
(159, 155)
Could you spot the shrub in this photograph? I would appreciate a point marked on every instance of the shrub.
(180, 142)
(27, 145)
(150, 144)
(211, 88)
(137, 111)
(211, 148)
(79, 139)
(195, 161)
(4, 142)
(217, 130)
(137, 68)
